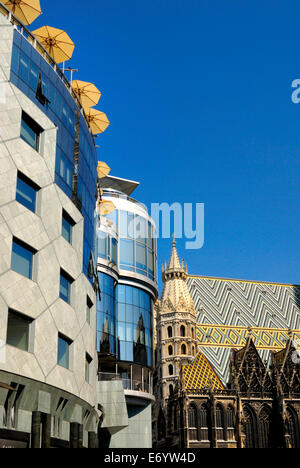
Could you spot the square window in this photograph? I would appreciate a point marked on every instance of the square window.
(63, 352)
(30, 131)
(22, 258)
(26, 192)
(67, 227)
(18, 330)
(65, 287)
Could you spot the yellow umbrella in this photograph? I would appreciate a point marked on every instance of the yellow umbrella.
(26, 10)
(98, 120)
(103, 170)
(105, 207)
(57, 43)
(87, 93)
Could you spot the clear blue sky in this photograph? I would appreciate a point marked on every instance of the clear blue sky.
(199, 97)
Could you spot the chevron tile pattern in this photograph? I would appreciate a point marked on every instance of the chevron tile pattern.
(227, 308)
(200, 374)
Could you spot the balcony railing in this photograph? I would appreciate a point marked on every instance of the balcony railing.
(128, 384)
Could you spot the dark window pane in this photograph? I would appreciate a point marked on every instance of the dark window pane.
(26, 194)
(21, 260)
(18, 331)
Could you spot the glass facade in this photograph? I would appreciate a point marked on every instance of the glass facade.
(26, 69)
(134, 325)
(125, 322)
(136, 249)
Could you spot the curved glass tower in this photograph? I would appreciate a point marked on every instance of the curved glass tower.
(126, 252)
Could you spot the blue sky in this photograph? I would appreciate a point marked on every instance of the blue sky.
(199, 97)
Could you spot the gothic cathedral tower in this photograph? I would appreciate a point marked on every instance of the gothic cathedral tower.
(176, 342)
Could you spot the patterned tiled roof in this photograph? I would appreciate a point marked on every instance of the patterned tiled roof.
(200, 374)
(226, 309)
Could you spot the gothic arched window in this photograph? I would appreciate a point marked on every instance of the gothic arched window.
(293, 428)
(265, 426)
(250, 429)
(171, 370)
(220, 422)
(230, 417)
(204, 422)
(193, 333)
(230, 423)
(170, 332)
(171, 391)
(170, 350)
(183, 349)
(193, 425)
(182, 330)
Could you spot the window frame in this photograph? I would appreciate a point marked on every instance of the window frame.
(71, 223)
(29, 249)
(69, 343)
(32, 185)
(29, 322)
(35, 128)
(70, 280)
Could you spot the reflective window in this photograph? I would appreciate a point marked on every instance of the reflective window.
(22, 259)
(134, 325)
(64, 167)
(106, 323)
(26, 192)
(67, 226)
(63, 354)
(18, 330)
(65, 287)
(30, 131)
(126, 252)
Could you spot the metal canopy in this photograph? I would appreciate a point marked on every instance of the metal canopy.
(121, 185)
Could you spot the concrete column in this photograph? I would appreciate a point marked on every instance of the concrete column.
(46, 431)
(93, 440)
(36, 430)
(74, 435)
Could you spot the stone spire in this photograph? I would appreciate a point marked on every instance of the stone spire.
(176, 295)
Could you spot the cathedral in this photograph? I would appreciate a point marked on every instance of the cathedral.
(227, 365)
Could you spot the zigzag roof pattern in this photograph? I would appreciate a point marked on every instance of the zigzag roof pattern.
(241, 303)
(200, 374)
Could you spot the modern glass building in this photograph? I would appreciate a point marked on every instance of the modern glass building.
(48, 173)
(126, 251)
